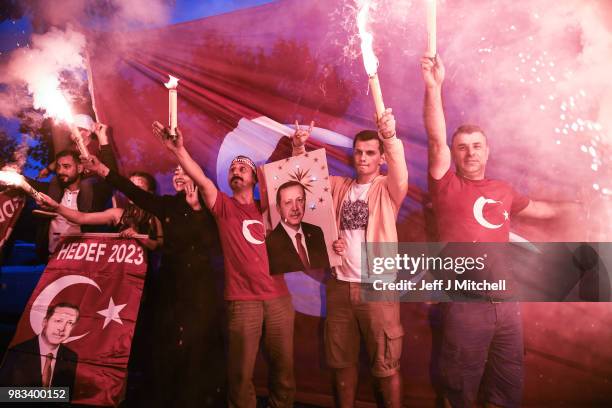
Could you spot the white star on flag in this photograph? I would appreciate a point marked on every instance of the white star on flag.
(111, 313)
(505, 215)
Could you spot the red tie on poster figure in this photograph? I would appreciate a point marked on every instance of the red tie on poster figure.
(47, 371)
(302, 251)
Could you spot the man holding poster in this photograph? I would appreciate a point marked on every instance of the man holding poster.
(366, 209)
(258, 304)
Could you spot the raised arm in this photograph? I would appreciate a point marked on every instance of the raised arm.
(42, 186)
(107, 156)
(44, 173)
(147, 201)
(299, 138)
(397, 176)
(110, 216)
(206, 186)
(433, 112)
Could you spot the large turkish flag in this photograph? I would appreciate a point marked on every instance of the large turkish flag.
(102, 277)
(246, 74)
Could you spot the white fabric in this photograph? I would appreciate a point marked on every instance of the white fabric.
(350, 270)
(59, 224)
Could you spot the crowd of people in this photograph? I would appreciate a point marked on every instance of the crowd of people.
(196, 364)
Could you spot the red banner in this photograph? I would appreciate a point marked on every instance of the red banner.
(11, 204)
(83, 311)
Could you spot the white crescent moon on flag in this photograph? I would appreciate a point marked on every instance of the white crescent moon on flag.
(46, 296)
(258, 138)
(479, 216)
(246, 232)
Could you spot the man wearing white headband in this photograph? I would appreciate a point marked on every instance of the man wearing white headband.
(258, 304)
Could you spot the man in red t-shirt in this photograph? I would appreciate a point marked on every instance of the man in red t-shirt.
(482, 341)
(257, 301)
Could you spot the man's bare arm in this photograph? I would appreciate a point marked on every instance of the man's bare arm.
(433, 112)
(110, 216)
(547, 209)
(397, 175)
(299, 138)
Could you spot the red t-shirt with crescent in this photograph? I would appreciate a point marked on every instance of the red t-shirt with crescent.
(242, 234)
(474, 210)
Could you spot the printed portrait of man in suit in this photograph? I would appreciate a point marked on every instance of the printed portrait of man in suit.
(295, 245)
(43, 361)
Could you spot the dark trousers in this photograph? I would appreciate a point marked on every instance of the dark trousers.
(187, 361)
(482, 346)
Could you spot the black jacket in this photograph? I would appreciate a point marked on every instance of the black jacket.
(94, 196)
(188, 238)
(283, 256)
(184, 302)
(22, 366)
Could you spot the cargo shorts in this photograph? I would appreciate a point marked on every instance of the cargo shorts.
(349, 317)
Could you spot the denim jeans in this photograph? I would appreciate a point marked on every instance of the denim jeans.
(482, 342)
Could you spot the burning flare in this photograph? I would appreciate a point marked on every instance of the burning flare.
(367, 39)
(369, 58)
(52, 100)
(14, 179)
(40, 68)
(11, 178)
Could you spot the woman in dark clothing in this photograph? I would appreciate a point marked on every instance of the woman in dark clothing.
(188, 335)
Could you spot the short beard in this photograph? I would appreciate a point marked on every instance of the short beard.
(68, 182)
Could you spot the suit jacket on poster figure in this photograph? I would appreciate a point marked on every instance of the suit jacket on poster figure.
(22, 366)
(283, 255)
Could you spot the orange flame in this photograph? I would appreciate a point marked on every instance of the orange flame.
(367, 39)
(11, 178)
(52, 100)
(14, 179)
(172, 82)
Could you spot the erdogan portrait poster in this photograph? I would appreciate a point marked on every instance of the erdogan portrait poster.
(303, 224)
(76, 330)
